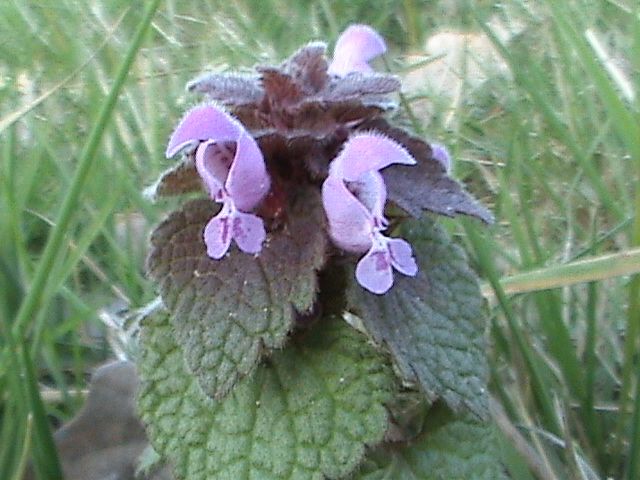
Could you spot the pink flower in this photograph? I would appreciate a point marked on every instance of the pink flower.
(357, 45)
(441, 154)
(233, 170)
(354, 195)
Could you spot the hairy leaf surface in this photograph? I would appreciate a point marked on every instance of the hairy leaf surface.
(450, 448)
(433, 323)
(307, 413)
(179, 179)
(426, 185)
(227, 313)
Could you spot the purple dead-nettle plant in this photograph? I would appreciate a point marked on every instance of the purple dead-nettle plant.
(307, 206)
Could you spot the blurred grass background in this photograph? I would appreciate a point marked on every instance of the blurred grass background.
(546, 132)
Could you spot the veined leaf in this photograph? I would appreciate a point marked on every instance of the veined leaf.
(433, 323)
(307, 413)
(228, 312)
(450, 448)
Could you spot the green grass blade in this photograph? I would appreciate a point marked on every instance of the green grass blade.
(17, 114)
(627, 127)
(625, 123)
(530, 80)
(633, 468)
(56, 237)
(592, 423)
(24, 451)
(485, 260)
(45, 454)
(602, 267)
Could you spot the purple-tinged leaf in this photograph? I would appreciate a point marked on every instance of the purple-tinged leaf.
(355, 47)
(426, 185)
(308, 67)
(177, 180)
(280, 88)
(228, 313)
(229, 89)
(433, 323)
(356, 85)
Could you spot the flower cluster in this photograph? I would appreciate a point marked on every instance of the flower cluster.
(231, 163)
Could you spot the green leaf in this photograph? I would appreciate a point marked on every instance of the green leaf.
(433, 323)
(449, 449)
(228, 312)
(306, 413)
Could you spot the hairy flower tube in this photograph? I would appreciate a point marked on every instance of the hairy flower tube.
(233, 170)
(355, 47)
(354, 195)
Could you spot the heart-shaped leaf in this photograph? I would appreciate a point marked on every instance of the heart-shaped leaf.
(433, 323)
(449, 448)
(307, 413)
(227, 313)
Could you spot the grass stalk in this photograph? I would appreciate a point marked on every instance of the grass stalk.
(54, 244)
(540, 392)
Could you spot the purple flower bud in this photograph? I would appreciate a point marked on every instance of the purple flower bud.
(353, 196)
(357, 45)
(232, 167)
(441, 154)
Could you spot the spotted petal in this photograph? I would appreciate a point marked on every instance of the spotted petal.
(357, 45)
(374, 272)
(218, 234)
(230, 224)
(248, 232)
